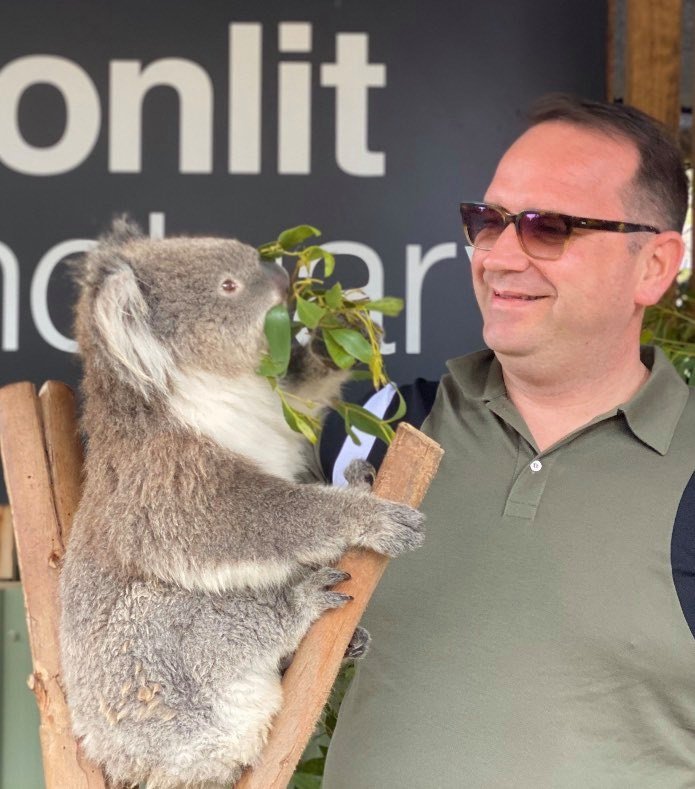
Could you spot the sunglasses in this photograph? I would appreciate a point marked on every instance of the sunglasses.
(542, 234)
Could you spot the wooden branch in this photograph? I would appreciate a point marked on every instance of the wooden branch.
(405, 475)
(40, 550)
(64, 448)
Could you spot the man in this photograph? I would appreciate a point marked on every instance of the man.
(543, 637)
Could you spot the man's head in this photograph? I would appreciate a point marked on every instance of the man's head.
(659, 187)
(587, 160)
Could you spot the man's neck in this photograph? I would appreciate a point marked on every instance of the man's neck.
(556, 402)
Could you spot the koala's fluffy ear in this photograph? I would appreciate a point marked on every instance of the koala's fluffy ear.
(121, 316)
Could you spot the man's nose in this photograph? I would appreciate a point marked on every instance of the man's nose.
(506, 253)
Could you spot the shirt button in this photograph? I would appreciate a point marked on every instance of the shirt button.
(535, 466)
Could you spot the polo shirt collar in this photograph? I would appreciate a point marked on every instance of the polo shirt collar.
(652, 414)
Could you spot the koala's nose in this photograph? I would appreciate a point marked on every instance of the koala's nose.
(277, 274)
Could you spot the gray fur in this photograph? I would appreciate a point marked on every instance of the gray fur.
(192, 572)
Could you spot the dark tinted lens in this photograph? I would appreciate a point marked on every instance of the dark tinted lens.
(543, 235)
(483, 225)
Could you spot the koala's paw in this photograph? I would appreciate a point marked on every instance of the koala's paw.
(397, 529)
(316, 591)
(360, 474)
(359, 644)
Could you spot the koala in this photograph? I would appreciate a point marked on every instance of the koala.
(199, 555)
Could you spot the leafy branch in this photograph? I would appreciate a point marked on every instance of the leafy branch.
(339, 321)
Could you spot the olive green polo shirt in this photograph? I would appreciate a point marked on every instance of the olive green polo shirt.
(542, 636)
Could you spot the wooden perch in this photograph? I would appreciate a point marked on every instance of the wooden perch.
(42, 458)
(405, 475)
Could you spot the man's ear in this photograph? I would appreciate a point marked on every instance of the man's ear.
(659, 261)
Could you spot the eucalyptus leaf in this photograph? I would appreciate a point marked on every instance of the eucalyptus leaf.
(328, 263)
(270, 368)
(278, 332)
(390, 306)
(334, 296)
(309, 312)
(368, 423)
(300, 423)
(343, 359)
(270, 251)
(354, 343)
(289, 239)
(312, 253)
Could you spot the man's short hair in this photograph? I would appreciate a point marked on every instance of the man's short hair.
(661, 186)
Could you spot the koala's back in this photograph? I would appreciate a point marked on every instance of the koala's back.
(145, 663)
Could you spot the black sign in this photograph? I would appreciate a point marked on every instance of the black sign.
(370, 120)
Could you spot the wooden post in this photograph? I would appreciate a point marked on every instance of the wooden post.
(652, 81)
(405, 475)
(40, 550)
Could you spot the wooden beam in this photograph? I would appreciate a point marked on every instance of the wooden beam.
(408, 468)
(652, 80)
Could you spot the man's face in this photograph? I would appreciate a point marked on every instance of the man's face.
(550, 309)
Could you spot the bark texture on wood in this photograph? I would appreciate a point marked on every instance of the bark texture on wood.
(405, 475)
(30, 471)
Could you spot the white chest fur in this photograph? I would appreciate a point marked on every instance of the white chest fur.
(243, 415)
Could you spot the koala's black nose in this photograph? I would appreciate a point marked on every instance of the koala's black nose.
(277, 274)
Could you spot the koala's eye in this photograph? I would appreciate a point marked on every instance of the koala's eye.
(229, 286)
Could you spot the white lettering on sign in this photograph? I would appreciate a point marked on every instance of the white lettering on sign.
(351, 76)
(417, 264)
(416, 268)
(82, 111)
(10, 299)
(129, 84)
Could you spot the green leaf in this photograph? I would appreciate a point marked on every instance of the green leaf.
(340, 357)
(400, 411)
(309, 312)
(270, 251)
(361, 375)
(312, 253)
(328, 263)
(368, 423)
(300, 423)
(646, 337)
(334, 296)
(289, 239)
(352, 342)
(302, 781)
(270, 368)
(390, 306)
(278, 332)
(312, 766)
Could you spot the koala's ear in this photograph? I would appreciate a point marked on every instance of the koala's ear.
(123, 230)
(121, 316)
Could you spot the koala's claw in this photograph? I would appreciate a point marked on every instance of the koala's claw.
(332, 576)
(399, 529)
(360, 474)
(359, 644)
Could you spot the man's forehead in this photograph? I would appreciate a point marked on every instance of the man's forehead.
(562, 166)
